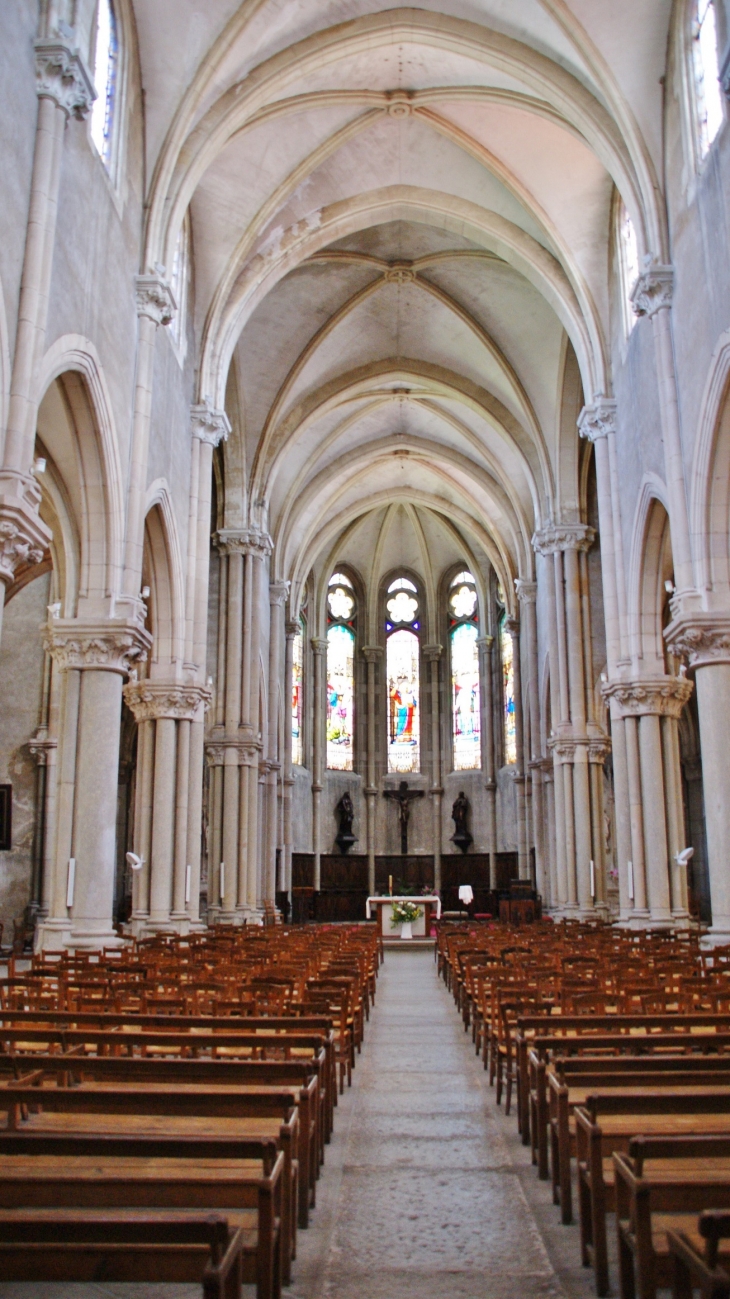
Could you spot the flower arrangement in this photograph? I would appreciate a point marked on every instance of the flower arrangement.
(404, 913)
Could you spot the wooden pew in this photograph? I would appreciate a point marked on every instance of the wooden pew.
(695, 1268)
(167, 1111)
(242, 1178)
(661, 1186)
(122, 1246)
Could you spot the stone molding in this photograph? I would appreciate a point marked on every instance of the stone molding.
(432, 653)
(599, 419)
(244, 541)
(702, 639)
(292, 628)
(209, 425)
(108, 646)
(42, 745)
(399, 104)
(563, 536)
(319, 646)
(245, 753)
(278, 593)
(24, 537)
(653, 290)
(151, 700)
(399, 273)
(485, 643)
(565, 748)
(62, 76)
(662, 697)
(372, 653)
(512, 625)
(154, 299)
(526, 591)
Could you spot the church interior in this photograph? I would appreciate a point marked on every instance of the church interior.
(365, 648)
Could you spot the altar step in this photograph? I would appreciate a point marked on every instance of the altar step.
(416, 944)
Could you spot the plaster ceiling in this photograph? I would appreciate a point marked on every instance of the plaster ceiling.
(401, 224)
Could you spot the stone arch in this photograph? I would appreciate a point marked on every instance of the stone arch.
(5, 366)
(162, 572)
(710, 480)
(651, 565)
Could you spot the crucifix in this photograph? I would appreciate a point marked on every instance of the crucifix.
(402, 796)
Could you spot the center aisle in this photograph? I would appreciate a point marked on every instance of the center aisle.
(423, 1192)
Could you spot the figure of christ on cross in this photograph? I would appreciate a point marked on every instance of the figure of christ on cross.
(402, 796)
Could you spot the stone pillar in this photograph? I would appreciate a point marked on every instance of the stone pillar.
(512, 626)
(319, 651)
(432, 655)
(373, 655)
(527, 595)
(292, 629)
(278, 592)
(485, 645)
(93, 658)
(651, 296)
(155, 306)
(704, 640)
(44, 748)
(647, 706)
(577, 735)
(165, 711)
(64, 90)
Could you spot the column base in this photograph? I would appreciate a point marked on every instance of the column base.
(53, 936)
(717, 935)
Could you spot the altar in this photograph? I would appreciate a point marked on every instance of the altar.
(428, 904)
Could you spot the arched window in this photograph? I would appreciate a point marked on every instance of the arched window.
(628, 255)
(402, 656)
(341, 610)
(179, 278)
(465, 692)
(297, 695)
(708, 95)
(106, 59)
(506, 650)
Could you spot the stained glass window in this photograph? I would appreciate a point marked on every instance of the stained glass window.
(508, 686)
(340, 697)
(297, 697)
(629, 258)
(465, 692)
(179, 282)
(710, 113)
(404, 730)
(105, 81)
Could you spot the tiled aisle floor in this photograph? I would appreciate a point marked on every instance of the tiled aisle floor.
(427, 1191)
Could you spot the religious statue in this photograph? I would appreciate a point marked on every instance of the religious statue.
(459, 812)
(346, 813)
(402, 796)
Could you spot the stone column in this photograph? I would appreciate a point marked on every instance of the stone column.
(94, 658)
(64, 90)
(646, 706)
(278, 592)
(651, 296)
(319, 651)
(704, 640)
(512, 626)
(373, 655)
(485, 645)
(292, 629)
(44, 748)
(432, 655)
(166, 710)
(527, 596)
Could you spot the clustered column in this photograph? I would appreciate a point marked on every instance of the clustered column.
(432, 655)
(373, 655)
(485, 645)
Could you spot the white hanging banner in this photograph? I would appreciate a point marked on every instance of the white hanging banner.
(223, 879)
(70, 881)
(631, 879)
(593, 881)
(187, 882)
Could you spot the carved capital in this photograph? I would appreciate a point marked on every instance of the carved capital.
(701, 639)
(278, 592)
(319, 646)
(512, 625)
(432, 653)
(663, 697)
(399, 273)
(150, 700)
(62, 76)
(526, 591)
(653, 290)
(154, 299)
(293, 628)
(24, 537)
(112, 646)
(209, 425)
(244, 541)
(486, 643)
(233, 753)
(563, 536)
(372, 653)
(597, 420)
(42, 745)
(599, 749)
(563, 750)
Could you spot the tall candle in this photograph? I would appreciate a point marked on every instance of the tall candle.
(390, 885)
(593, 880)
(631, 880)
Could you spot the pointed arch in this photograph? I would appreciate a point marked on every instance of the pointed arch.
(163, 573)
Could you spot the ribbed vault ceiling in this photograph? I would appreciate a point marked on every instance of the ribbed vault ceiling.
(401, 223)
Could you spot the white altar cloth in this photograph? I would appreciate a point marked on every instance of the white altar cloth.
(385, 906)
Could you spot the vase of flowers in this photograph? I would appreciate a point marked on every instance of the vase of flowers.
(403, 916)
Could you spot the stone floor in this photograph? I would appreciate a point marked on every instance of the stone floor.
(427, 1191)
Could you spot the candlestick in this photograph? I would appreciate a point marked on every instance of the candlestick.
(390, 885)
(631, 880)
(593, 882)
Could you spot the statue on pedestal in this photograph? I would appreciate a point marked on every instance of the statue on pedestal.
(459, 812)
(346, 813)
